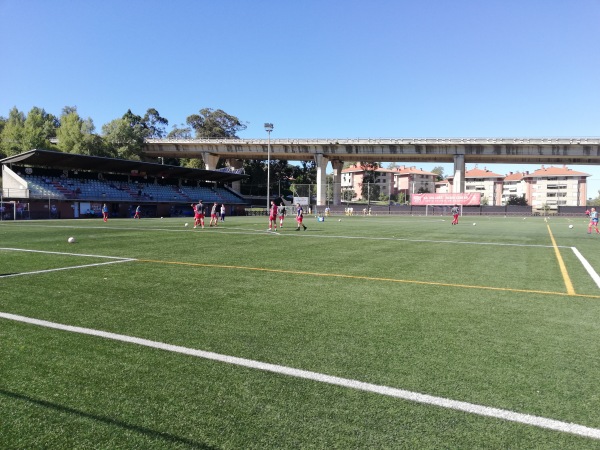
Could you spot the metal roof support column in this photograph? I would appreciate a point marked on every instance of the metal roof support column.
(337, 181)
(321, 162)
(459, 174)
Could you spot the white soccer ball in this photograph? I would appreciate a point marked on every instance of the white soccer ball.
(71, 240)
(474, 224)
(186, 224)
(339, 220)
(570, 226)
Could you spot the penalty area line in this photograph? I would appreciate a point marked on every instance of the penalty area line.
(486, 411)
(115, 259)
(65, 268)
(64, 253)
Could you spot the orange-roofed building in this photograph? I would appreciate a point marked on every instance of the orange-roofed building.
(547, 186)
(403, 179)
(484, 181)
(556, 186)
(515, 185)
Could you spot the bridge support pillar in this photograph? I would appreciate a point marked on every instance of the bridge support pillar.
(321, 162)
(236, 164)
(210, 160)
(458, 186)
(337, 181)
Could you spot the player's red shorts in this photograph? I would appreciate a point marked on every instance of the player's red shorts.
(197, 216)
(272, 217)
(213, 216)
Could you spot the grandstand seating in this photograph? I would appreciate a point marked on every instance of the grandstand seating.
(60, 188)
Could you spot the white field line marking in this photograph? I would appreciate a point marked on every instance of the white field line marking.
(64, 268)
(308, 235)
(63, 253)
(118, 260)
(368, 238)
(486, 411)
(587, 266)
(431, 241)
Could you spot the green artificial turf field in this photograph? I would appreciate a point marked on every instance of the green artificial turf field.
(324, 338)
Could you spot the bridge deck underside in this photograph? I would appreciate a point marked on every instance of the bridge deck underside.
(473, 153)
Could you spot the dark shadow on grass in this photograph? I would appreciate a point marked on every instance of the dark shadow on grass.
(107, 420)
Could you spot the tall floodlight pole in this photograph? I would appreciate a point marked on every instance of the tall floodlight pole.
(268, 128)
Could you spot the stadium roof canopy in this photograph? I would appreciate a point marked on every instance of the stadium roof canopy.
(60, 160)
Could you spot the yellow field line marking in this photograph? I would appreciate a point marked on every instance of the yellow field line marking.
(561, 264)
(361, 277)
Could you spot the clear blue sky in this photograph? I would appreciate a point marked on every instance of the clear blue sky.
(315, 68)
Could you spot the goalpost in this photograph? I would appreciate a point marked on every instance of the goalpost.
(446, 210)
(8, 210)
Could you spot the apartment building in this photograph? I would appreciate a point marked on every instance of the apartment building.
(514, 185)
(547, 186)
(556, 186)
(484, 181)
(403, 179)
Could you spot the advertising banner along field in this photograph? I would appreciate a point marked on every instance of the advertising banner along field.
(466, 199)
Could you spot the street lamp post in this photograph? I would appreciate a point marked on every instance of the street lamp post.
(268, 129)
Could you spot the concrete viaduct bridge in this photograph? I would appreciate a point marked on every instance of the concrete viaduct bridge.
(572, 151)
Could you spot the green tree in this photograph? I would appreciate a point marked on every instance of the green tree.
(39, 127)
(208, 124)
(125, 136)
(439, 171)
(154, 124)
(122, 139)
(517, 201)
(11, 137)
(192, 163)
(180, 133)
(215, 124)
(256, 183)
(369, 189)
(594, 201)
(71, 131)
(305, 173)
(76, 135)
(281, 174)
(348, 195)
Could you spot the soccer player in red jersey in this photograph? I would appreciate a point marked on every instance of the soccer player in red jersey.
(198, 214)
(273, 217)
(455, 215)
